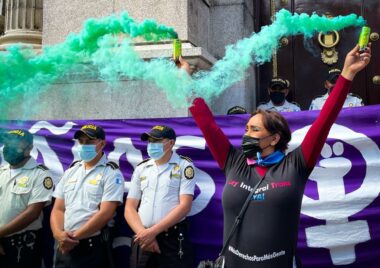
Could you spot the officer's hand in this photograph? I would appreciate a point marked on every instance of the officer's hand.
(152, 247)
(66, 247)
(155, 247)
(2, 252)
(66, 243)
(146, 236)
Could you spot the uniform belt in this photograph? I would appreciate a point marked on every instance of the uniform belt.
(180, 227)
(85, 244)
(90, 241)
(24, 239)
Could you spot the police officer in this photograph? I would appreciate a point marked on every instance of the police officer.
(159, 199)
(86, 199)
(278, 90)
(351, 100)
(25, 189)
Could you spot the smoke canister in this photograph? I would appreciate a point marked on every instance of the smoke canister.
(177, 49)
(364, 38)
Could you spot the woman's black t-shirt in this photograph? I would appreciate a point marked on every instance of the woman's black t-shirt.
(267, 234)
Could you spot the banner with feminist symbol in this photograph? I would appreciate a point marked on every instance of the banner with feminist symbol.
(341, 206)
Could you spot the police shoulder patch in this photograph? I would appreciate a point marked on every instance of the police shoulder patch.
(43, 167)
(48, 183)
(119, 179)
(142, 162)
(189, 172)
(74, 163)
(186, 158)
(113, 165)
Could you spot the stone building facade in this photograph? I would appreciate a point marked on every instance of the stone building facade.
(204, 26)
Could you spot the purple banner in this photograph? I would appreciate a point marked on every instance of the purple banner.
(340, 221)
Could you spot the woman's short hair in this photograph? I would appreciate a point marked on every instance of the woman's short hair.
(275, 123)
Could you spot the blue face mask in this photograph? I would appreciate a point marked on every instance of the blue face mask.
(87, 152)
(155, 150)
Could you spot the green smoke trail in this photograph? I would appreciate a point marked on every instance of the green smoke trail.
(24, 73)
(258, 48)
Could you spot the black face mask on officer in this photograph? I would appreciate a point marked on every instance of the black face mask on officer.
(13, 155)
(277, 97)
(251, 146)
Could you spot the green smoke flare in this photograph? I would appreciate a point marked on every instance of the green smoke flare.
(98, 47)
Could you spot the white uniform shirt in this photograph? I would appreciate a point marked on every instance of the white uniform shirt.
(286, 107)
(351, 101)
(83, 191)
(30, 184)
(159, 188)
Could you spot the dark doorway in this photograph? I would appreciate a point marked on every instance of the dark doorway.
(300, 61)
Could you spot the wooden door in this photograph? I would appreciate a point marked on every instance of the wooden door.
(299, 60)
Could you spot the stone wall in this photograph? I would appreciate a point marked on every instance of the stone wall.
(205, 27)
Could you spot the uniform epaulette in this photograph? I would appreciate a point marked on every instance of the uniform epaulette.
(142, 162)
(296, 104)
(113, 165)
(74, 163)
(43, 167)
(186, 158)
(355, 95)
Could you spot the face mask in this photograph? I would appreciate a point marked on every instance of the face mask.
(155, 150)
(13, 155)
(87, 152)
(251, 146)
(277, 97)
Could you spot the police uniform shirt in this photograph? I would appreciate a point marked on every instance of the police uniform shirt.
(160, 188)
(351, 101)
(83, 190)
(30, 184)
(286, 107)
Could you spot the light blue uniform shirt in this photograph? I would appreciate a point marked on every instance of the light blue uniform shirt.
(84, 190)
(31, 184)
(286, 107)
(351, 101)
(159, 187)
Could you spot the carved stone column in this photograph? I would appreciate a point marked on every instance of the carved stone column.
(2, 16)
(23, 23)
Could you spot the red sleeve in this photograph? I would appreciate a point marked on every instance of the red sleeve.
(316, 136)
(215, 138)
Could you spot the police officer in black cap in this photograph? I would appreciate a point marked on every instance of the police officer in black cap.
(278, 90)
(25, 189)
(86, 200)
(332, 77)
(159, 199)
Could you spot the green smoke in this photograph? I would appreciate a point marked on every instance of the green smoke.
(25, 74)
(258, 48)
(98, 47)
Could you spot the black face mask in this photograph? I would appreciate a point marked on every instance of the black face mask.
(13, 155)
(277, 97)
(250, 146)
